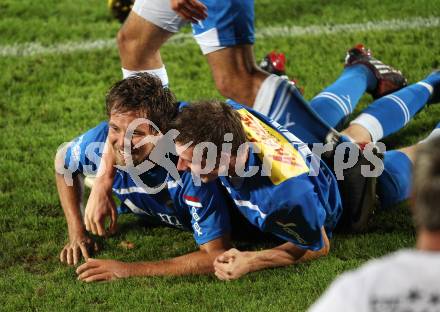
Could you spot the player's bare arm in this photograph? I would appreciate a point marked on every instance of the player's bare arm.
(198, 262)
(234, 263)
(80, 244)
(100, 204)
(190, 10)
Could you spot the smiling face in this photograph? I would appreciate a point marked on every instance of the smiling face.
(119, 124)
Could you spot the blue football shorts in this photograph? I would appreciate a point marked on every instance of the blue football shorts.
(229, 22)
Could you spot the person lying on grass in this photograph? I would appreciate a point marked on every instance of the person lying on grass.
(158, 195)
(295, 200)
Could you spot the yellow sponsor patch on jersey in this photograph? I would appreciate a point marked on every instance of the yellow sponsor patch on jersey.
(274, 150)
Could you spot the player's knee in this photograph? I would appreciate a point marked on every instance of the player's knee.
(134, 48)
(129, 42)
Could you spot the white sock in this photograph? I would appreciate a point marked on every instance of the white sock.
(266, 93)
(159, 72)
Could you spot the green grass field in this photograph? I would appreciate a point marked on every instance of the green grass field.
(49, 98)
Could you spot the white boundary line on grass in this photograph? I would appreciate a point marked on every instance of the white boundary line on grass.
(35, 48)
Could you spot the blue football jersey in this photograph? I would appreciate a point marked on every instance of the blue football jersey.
(201, 209)
(292, 199)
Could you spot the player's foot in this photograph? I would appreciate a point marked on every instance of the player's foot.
(388, 79)
(434, 78)
(120, 8)
(275, 63)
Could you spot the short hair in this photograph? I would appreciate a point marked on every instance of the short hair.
(143, 93)
(209, 121)
(426, 186)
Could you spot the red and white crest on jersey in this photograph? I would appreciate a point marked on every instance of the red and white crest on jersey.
(192, 201)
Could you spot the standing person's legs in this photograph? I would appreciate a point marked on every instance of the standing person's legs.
(226, 37)
(150, 24)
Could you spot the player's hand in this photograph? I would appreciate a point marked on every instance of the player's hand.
(77, 248)
(102, 270)
(231, 264)
(190, 10)
(100, 206)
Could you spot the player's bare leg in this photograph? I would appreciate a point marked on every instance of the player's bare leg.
(139, 42)
(358, 133)
(236, 73)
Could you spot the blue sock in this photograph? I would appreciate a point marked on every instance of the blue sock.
(282, 102)
(339, 100)
(392, 112)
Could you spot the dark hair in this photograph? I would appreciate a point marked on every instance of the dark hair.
(426, 186)
(144, 93)
(209, 121)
